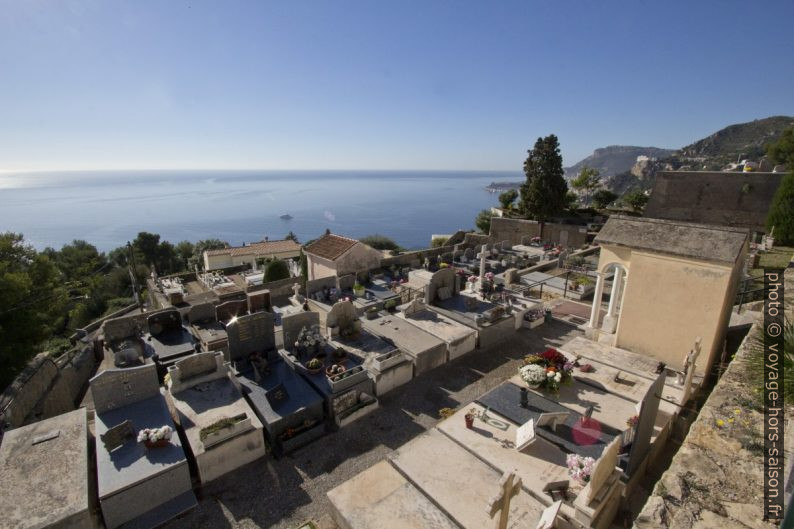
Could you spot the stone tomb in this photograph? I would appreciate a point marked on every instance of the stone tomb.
(44, 472)
(460, 339)
(381, 497)
(210, 333)
(574, 435)
(221, 429)
(168, 339)
(349, 395)
(425, 350)
(137, 485)
(459, 482)
(598, 502)
(289, 408)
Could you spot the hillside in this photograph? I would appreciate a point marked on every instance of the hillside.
(615, 159)
(712, 153)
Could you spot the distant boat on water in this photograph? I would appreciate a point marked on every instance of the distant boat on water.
(286, 216)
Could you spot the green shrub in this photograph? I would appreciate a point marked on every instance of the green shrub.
(276, 270)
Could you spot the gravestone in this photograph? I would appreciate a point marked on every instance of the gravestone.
(203, 312)
(164, 321)
(196, 369)
(469, 253)
(117, 435)
(342, 317)
(506, 245)
(649, 407)
(258, 301)
(603, 468)
(549, 516)
(117, 388)
(525, 435)
(292, 324)
(250, 334)
(230, 309)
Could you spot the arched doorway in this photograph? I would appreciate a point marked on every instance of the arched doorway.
(619, 275)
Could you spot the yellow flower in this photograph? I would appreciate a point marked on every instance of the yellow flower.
(720, 423)
(737, 411)
(730, 421)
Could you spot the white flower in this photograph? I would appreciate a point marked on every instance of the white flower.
(550, 374)
(557, 377)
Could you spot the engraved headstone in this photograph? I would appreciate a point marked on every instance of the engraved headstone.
(250, 334)
(292, 325)
(118, 435)
(603, 468)
(230, 309)
(116, 388)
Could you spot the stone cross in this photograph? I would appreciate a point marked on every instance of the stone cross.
(689, 370)
(482, 265)
(510, 486)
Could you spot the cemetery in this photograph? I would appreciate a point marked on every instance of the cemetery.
(168, 338)
(459, 339)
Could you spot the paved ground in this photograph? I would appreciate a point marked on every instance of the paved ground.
(283, 493)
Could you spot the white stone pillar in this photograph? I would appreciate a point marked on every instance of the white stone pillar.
(599, 292)
(613, 296)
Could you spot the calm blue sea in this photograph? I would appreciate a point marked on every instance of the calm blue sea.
(109, 208)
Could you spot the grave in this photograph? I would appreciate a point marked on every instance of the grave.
(425, 350)
(221, 429)
(459, 482)
(210, 333)
(44, 472)
(381, 497)
(168, 339)
(289, 408)
(137, 485)
(574, 435)
(348, 395)
(558, 284)
(599, 501)
(460, 339)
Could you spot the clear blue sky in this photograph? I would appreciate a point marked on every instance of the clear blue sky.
(377, 84)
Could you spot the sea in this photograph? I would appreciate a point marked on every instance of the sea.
(108, 208)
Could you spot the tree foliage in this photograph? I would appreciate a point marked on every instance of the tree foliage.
(276, 270)
(635, 199)
(380, 242)
(291, 237)
(782, 151)
(543, 194)
(781, 212)
(586, 182)
(507, 198)
(483, 221)
(32, 301)
(603, 197)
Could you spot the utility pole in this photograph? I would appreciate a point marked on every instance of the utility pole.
(133, 275)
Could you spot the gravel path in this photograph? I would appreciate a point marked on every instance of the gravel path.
(286, 492)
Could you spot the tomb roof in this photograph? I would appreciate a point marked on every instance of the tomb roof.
(685, 239)
(330, 246)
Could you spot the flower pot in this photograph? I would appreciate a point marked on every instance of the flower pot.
(534, 386)
(469, 421)
(157, 444)
(330, 374)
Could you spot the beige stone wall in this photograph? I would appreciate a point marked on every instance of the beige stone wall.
(671, 301)
(358, 259)
(319, 267)
(215, 262)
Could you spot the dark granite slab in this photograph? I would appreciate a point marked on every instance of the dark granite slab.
(587, 438)
(171, 344)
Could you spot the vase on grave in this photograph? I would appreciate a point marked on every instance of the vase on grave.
(156, 444)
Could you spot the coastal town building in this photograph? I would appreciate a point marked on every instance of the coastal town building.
(250, 254)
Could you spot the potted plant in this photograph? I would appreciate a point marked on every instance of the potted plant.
(340, 354)
(533, 374)
(469, 417)
(390, 305)
(336, 369)
(372, 313)
(155, 437)
(556, 368)
(358, 289)
(314, 366)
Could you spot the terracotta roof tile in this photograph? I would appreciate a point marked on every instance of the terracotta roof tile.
(330, 246)
(259, 248)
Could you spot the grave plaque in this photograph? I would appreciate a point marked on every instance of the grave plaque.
(231, 309)
(293, 323)
(525, 435)
(344, 402)
(276, 396)
(117, 435)
(549, 516)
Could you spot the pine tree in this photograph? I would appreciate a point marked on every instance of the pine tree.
(543, 194)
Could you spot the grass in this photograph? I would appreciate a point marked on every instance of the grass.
(777, 257)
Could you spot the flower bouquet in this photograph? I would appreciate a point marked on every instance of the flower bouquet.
(580, 468)
(556, 366)
(533, 374)
(155, 437)
(309, 340)
(335, 369)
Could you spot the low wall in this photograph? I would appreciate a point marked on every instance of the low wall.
(47, 387)
(514, 230)
(280, 288)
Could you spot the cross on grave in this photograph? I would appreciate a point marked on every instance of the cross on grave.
(689, 370)
(501, 501)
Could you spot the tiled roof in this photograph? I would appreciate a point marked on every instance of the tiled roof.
(259, 248)
(330, 246)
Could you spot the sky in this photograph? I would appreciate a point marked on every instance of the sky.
(396, 85)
